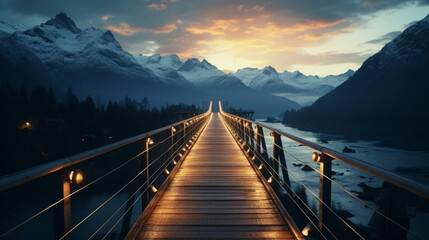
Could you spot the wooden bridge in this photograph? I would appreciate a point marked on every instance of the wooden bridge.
(215, 194)
(209, 176)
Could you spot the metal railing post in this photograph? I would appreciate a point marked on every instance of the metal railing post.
(147, 171)
(131, 189)
(62, 211)
(279, 154)
(324, 190)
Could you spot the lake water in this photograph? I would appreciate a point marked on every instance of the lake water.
(410, 164)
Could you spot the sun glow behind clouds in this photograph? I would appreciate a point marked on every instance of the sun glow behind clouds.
(258, 33)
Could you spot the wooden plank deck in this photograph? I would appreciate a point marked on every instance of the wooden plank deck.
(215, 194)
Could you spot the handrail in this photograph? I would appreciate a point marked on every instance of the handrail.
(402, 182)
(15, 179)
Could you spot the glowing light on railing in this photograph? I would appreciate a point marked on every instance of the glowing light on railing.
(256, 129)
(167, 172)
(306, 231)
(187, 145)
(190, 141)
(27, 124)
(316, 157)
(153, 189)
(187, 123)
(260, 167)
(248, 150)
(270, 180)
(173, 129)
(243, 144)
(246, 124)
(149, 140)
(253, 158)
(174, 162)
(180, 155)
(184, 149)
(76, 176)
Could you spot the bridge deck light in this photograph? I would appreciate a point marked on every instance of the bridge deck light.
(76, 176)
(167, 172)
(173, 129)
(306, 231)
(260, 167)
(153, 189)
(149, 141)
(270, 180)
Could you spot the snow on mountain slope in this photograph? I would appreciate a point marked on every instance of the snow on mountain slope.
(165, 67)
(199, 72)
(270, 80)
(9, 27)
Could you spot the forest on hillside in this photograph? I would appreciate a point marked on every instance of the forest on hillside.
(37, 126)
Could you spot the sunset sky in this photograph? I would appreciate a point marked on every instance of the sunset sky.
(314, 36)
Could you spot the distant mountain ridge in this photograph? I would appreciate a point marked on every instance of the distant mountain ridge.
(388, 94)
(270, 80)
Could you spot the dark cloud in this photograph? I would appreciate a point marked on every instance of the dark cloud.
(384, 38)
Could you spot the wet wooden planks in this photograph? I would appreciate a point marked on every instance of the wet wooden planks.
(215, 194)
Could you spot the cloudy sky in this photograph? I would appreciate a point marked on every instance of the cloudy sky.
(314, 36)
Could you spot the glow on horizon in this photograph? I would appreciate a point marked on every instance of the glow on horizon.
(230, 53)
(256, 35)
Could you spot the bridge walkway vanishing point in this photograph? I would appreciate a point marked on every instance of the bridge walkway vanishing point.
(215, 194)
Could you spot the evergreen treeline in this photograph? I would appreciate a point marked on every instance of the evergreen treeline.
(37, 127)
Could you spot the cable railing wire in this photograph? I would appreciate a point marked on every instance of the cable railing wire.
(167, 162)
(105, 175)
(82, 188)
(330, 179)
(111, 197)
(136, 200)
(291, 197)
(303, 184)
(342, 188)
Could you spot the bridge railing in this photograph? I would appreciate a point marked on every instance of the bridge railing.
(327, 220)
(96, 194)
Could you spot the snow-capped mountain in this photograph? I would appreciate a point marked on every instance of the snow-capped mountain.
(304, 89)
(90, 61)
(164, 67)
(388, 93)
(198, 72)
(269, 79)
(214, 84)
(59, 54)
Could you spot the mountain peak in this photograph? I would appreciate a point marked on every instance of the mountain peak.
(268, 70)
(154, 59)
(61, 20)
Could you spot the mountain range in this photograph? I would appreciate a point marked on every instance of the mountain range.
(92, 62)
(387, 95)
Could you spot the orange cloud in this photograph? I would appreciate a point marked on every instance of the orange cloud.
(157, 7)
(164, 29)
(125, 29)
(105, 17)
(218, 27)
(179, 21)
